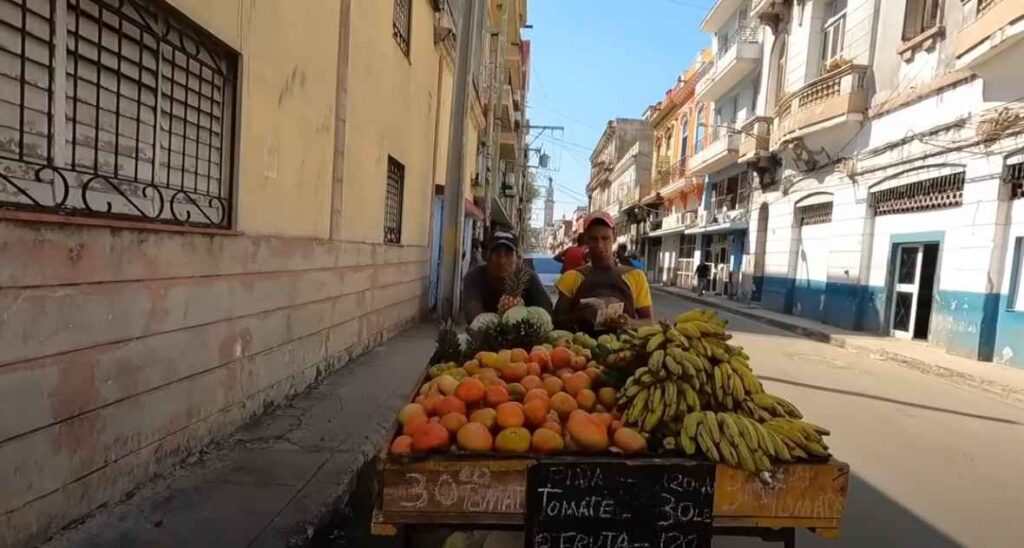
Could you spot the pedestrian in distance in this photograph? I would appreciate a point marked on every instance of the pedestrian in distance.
(573, 256)
(703, 277)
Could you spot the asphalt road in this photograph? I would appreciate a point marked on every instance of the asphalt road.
(934, 465)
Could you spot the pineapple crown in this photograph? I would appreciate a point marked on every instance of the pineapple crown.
(517, 281)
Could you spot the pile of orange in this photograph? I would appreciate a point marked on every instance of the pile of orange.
(544, 401)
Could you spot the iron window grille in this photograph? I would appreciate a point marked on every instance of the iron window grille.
(401, 24)
(816, 214)
(393, 202)
(935, 193)
(1014, 176)
(114, 108)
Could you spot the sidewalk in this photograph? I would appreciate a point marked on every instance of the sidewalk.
(1005, 383)
(278, 478)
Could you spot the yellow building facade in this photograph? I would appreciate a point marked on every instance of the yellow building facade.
(257, 215)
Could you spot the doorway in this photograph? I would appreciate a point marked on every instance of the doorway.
(913, 290)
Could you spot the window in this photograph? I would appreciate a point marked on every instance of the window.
(118, 109)
(935, 193)
(684, 138)
(1014, 176)
(393, 202)
(699, 132)
(817, 214)
(779, 69)
(920, 16)
(1016, 300)
(833, 34)
(401, 24)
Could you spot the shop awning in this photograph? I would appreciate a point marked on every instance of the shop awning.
(668, 231)
(719, 228)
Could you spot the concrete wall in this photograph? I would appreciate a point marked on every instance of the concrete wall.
(392, 100)
(122, 351)
(289, 71)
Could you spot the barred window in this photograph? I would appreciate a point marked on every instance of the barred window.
(117, 108)
(1014, 176)
(401, 24)
(935, 193)
(393, 202)
(816, 214)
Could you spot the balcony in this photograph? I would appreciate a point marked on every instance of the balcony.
(738, 56)
(669, 175)
(682, 219)
(990, 27)
(719, 15)
(755, 136)
(769, 9)
(835, 99)
(721, 152)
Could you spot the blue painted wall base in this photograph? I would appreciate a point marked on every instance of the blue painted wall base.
(973, 325)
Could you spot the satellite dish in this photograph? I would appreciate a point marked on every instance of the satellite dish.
(545, 159)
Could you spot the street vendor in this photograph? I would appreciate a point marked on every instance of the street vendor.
(602, 285)
(484, 284)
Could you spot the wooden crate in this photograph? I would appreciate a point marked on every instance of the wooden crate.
(491, 491)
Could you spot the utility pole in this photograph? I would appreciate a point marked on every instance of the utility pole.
(454, 202)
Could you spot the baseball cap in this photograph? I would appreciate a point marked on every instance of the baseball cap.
(501, 237)
(599, 217)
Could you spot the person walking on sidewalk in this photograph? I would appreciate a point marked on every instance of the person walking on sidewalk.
(703, 277)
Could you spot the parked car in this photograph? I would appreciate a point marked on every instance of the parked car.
(547, 269)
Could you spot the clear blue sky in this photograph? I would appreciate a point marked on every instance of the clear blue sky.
(594, 60)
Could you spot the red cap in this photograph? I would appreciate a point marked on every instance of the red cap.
(599, 217)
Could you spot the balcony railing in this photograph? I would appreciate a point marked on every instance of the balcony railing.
(744, 33)
(756, 136)
(989, 27)
(738, 54)
(834, 95)
(670, 174)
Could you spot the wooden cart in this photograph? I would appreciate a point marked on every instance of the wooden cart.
(462, 491)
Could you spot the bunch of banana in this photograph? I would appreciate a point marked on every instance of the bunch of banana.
(764, 407)
(802, 438)
(733, 439)
(584, 340)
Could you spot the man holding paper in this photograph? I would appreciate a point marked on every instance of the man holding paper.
(603, 295)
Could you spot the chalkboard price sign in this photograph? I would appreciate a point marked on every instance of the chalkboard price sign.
(597, 503)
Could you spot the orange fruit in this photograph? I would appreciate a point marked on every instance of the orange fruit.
(535, 394)
(587, 399)
(402, 445)
(576, 382)
(487, 417)
(514, 439)
(516, 391)
(530, 382)
(430, 437)
(606, 396)
(545, 442)
(519, 355)
(553, 426)
(474, 437)
(561, 357)
(579, 363)
(514, 372)
(536, 411)
(496, 395)
(449, 404)
(592, 372)
(470, 391)
(629, 440)
(533, 368)
(563, 404)
(511, 414)
(588, 433)
(541, 357)
(472, 367)
(410, 410)
(413, 424)
(453, 421)
(553, 385)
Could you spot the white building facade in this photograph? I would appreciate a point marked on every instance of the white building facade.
(892, 204)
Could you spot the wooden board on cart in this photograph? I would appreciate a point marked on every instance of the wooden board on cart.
(492, 492)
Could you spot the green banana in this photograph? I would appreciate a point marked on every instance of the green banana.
(711, 422)
(690, 423)
(730, 428)
(728, 453)
(656, 342)
(648, 331)
(746, 460)
(673, 367)
(656, 360)
(689, 444)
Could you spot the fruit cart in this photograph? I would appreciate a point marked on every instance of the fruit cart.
(491, 492)
(658, 437)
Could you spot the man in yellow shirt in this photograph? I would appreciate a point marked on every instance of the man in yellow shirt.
(602, 279)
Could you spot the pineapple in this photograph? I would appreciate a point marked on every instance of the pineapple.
(449, 348)
(515, 286)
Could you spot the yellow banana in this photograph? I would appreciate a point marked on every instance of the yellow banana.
(656, 360)
(655, 342)
(711, 422)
